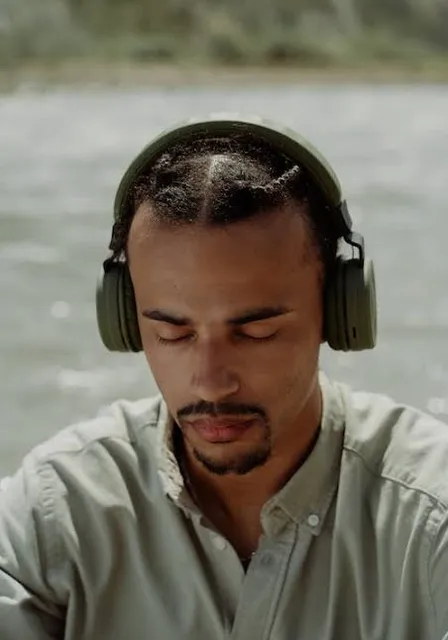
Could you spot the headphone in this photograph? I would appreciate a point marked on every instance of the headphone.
(350, 308)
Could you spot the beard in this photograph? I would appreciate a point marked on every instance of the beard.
(239, 464)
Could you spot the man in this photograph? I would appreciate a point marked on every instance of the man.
(254, 498)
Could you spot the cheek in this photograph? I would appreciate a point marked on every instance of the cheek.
(293, 352)
(165, 367)
(286, 372)
(279, 376)
(283, 380)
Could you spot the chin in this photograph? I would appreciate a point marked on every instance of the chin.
(233, 465)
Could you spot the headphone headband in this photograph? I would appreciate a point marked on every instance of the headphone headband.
(288, 142)
(349, 308)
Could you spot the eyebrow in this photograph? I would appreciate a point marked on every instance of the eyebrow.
(252, 315)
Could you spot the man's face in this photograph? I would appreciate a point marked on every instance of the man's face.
(231, 325)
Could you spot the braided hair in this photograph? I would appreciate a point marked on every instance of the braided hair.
(220, 181)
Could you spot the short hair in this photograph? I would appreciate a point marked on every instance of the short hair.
(219, 181)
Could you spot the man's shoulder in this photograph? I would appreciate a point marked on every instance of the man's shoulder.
(95, 461)
(397, 442)
(119, 426)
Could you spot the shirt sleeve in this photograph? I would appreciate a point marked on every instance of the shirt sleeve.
(438, 575)
(30, 608)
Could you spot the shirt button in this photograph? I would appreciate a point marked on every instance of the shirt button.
(219, 543)
(313, 520)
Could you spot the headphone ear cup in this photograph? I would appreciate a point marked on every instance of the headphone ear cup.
(115, 309)
(361, 305)
(128, 312)
(334, 323)
(350, 322)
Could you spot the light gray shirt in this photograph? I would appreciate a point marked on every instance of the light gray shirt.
(99, 538)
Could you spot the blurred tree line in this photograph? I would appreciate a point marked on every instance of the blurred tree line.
(225, 31)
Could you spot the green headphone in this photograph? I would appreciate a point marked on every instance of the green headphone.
(350, 315)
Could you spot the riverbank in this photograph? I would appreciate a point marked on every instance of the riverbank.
(81, 74)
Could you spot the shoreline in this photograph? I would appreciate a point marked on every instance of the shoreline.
(122, 74)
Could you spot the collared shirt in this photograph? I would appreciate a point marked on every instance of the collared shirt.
(99, 538)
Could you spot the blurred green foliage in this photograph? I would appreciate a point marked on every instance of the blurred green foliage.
(233, 32)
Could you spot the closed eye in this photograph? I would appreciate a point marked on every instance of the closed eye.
(262, 330)
(265, 338)
(240, 336)
(257, 336)
(174, 340)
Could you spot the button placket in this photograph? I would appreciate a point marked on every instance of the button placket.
(313, 520)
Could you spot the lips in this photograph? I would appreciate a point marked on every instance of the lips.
(220, 429)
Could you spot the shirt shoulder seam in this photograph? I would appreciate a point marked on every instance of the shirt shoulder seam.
(47, 501)
(47, 457)
(398, 481)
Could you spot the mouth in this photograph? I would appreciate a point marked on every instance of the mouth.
(221, 429)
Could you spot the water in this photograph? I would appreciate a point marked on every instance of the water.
(61, 156)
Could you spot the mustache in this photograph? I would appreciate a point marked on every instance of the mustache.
(216, 410)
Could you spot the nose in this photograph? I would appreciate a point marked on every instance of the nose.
(213, 378)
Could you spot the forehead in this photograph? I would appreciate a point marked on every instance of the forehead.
(260, 260)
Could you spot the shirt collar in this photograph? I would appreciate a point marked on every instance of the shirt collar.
(168, 466)
(305, 498)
